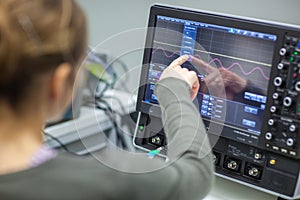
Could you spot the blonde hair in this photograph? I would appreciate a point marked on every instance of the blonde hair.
(35, 36)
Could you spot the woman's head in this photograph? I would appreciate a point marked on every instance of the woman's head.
(37, 37)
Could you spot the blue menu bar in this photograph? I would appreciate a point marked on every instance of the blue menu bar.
(221, 28)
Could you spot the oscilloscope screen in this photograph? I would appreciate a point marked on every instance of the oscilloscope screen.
(238, 60)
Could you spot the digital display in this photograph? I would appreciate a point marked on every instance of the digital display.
(233, 66)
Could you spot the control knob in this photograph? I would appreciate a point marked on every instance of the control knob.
(292, 128)
(289, 142)
(287, 101)
(273, 109)
(271, 122)
(285, 51)
(268, 136)
(276, 96)
(282, 51)
(278, 81)
(281, 66)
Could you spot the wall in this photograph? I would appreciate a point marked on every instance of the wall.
(112, 23)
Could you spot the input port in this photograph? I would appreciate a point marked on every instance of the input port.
(253, 171)
(232, 164)
(216, 158)
(156, 140)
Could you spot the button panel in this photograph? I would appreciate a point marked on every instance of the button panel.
(283, 121)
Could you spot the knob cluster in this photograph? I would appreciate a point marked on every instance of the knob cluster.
(287, 80)
(284, 108)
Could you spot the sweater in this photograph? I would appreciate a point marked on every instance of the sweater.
(115, 174)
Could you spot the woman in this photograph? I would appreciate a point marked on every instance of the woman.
(42, 43)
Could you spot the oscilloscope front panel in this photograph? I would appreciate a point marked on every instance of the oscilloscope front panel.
(257, 106)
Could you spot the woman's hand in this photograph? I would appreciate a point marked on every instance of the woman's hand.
(175, 70)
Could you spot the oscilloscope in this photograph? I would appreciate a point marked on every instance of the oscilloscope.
(257, 109)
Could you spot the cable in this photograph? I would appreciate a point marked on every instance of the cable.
(109, 68)
(117, 99)
(108, 110)
(110, 113)
(62, 145)
(125, 118)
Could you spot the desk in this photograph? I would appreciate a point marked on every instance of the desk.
(228, 190)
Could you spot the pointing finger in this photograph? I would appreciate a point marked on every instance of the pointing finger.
(179, 61)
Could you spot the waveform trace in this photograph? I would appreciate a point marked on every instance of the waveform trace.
(218, 61)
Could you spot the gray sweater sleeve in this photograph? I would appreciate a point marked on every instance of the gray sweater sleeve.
(188, 145)
(182, 122)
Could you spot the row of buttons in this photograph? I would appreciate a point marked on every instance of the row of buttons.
(291, 51)
(292, 41)
(282, 150)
